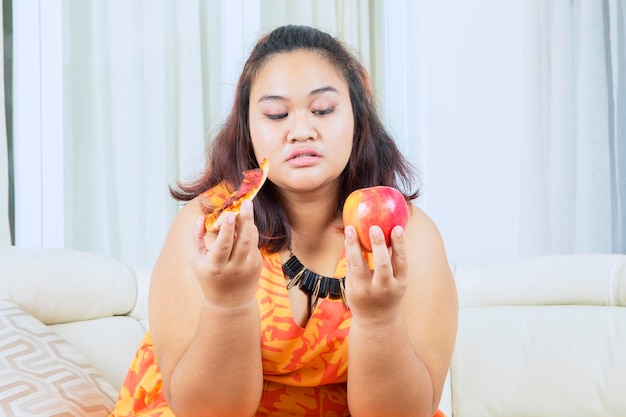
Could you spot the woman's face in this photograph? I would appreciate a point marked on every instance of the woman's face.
(301, 120)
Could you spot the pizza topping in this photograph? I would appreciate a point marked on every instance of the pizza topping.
(253, 180)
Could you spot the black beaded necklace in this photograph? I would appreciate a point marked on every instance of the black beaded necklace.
(316, 286)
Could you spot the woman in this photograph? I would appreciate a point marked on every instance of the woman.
(231, 336)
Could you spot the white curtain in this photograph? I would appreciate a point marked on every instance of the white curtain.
(5, 231)
(145, 83)
(136, 113)
(574, 147)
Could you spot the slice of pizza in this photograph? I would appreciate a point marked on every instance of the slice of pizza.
(253, 180)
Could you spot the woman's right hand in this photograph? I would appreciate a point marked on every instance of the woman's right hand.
(203, 312)
(227, 264)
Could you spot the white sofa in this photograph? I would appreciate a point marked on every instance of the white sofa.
(542, 336)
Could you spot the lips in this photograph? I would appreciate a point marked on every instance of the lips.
(303, 153)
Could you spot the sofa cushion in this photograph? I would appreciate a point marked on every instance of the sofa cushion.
(42, 374)
(535, 361)
(108, 343)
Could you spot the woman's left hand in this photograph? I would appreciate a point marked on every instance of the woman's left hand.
(376, 294)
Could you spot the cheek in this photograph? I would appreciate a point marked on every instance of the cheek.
(347, 135)
(262, 137)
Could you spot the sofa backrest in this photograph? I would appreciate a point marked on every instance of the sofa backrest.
(541, 336)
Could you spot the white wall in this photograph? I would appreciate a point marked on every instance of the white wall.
(472, 67)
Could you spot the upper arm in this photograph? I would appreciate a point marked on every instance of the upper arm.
(430, 305)
(175, 297)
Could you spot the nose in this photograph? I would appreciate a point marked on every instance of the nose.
(301, 129)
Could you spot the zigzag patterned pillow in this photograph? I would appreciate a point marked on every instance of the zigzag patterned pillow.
(43, 375)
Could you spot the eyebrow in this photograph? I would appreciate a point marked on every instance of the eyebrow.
(317, 91)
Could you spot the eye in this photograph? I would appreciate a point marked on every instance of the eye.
(276, 116)
(323, 112)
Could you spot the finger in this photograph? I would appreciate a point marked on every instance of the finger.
(198, 235)
(382, 262)
(223, 244)
(199, 228)
(247, 210)
(399, 260)
(245, 223)
(355, 263)
(247, 233)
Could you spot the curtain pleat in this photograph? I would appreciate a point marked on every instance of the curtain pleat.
(571, 146)
(135, 121)
(615, 13)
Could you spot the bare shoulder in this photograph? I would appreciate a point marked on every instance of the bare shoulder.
(172, 267)
(422, 235)
(426, 254)
(173, 254)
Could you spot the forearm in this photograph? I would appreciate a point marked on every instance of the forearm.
(386, 377)
(221, 373)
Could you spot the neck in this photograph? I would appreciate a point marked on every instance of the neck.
(310, 212)
(316, 228)
(312, 222)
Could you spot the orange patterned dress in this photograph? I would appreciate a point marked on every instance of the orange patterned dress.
(305, 369)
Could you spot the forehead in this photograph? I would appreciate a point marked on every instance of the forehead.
(300, 70)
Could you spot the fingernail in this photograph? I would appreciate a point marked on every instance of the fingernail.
(230, 218)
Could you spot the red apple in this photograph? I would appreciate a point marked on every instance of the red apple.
(382, 206)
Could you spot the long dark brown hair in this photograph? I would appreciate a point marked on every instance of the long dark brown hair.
(375, 158)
